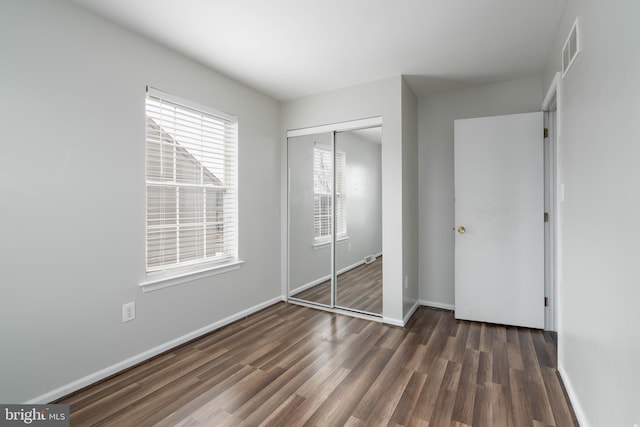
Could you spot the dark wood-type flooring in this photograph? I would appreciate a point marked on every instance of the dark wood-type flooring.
(290, 365)
(357, 289)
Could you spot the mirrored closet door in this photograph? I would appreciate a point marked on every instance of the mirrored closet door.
(335, 218)
(359, 220)
(310, 218)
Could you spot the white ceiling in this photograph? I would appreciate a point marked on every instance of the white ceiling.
(292, 48)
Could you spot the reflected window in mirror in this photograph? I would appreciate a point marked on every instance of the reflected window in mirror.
(322, 194)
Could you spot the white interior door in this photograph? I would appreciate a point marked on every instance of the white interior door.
(499, 202)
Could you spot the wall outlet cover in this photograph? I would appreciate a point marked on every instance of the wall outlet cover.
(128, 311)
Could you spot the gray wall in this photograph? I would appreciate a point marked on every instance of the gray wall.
(436, 115)
(363, 185)
(599, 279)
(72, 197)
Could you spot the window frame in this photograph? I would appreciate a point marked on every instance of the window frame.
(163, 274)
(335, 182)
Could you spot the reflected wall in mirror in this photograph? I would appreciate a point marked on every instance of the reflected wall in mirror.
(310, 169)
(358, 250)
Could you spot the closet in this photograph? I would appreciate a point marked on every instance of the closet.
(335, 216)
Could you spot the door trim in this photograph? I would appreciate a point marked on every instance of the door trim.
(552, 174)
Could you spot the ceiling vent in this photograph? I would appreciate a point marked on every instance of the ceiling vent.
(571, 47)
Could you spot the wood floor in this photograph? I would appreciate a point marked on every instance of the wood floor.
(292, 366)
(358, 289)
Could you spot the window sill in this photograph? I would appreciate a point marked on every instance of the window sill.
(165, 280)
(323, 243)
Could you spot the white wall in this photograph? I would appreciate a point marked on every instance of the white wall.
(436, 115)
(363, 209)
(599, 279)
(376, 99)
(72, 197)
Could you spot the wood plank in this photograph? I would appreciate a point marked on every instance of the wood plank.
(339, 406)
(485, 368)
(521, 414)
(446, 397)
(562, 411)
(408, 400)
(379, 403)
(426, 404)
(465, 394)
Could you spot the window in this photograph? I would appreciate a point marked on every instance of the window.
(191, 184)
(322, 193)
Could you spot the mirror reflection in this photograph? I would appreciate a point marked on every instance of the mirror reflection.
(359, 220)
(310, 217)
(345, 271)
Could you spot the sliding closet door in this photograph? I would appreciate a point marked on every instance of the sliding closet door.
(310, 175)
(358, 200)
(334, 175)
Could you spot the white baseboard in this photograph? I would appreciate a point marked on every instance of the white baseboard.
(575, 403)
(410, 313)
(350, 267)
(392, 321)
(306, 286)
(417, 304)
(437, 305)
(323, 279)
(134, 360)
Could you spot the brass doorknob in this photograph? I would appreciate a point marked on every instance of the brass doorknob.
(461, 229)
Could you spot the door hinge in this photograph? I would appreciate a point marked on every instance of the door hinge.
(546, 301)
(546, 132)
(546, 217)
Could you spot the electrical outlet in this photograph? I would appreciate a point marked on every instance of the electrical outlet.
(128, 311)
(406, 282)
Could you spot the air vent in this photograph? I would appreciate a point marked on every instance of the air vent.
(571, 47)
(369, 259)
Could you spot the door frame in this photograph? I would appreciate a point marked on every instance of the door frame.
(553, 198)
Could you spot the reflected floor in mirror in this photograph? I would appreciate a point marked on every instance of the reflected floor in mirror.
(358, 289)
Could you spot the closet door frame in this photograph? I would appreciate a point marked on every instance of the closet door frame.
(333, 129)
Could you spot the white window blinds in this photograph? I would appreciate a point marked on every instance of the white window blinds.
(323, 189)
(191, 184)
